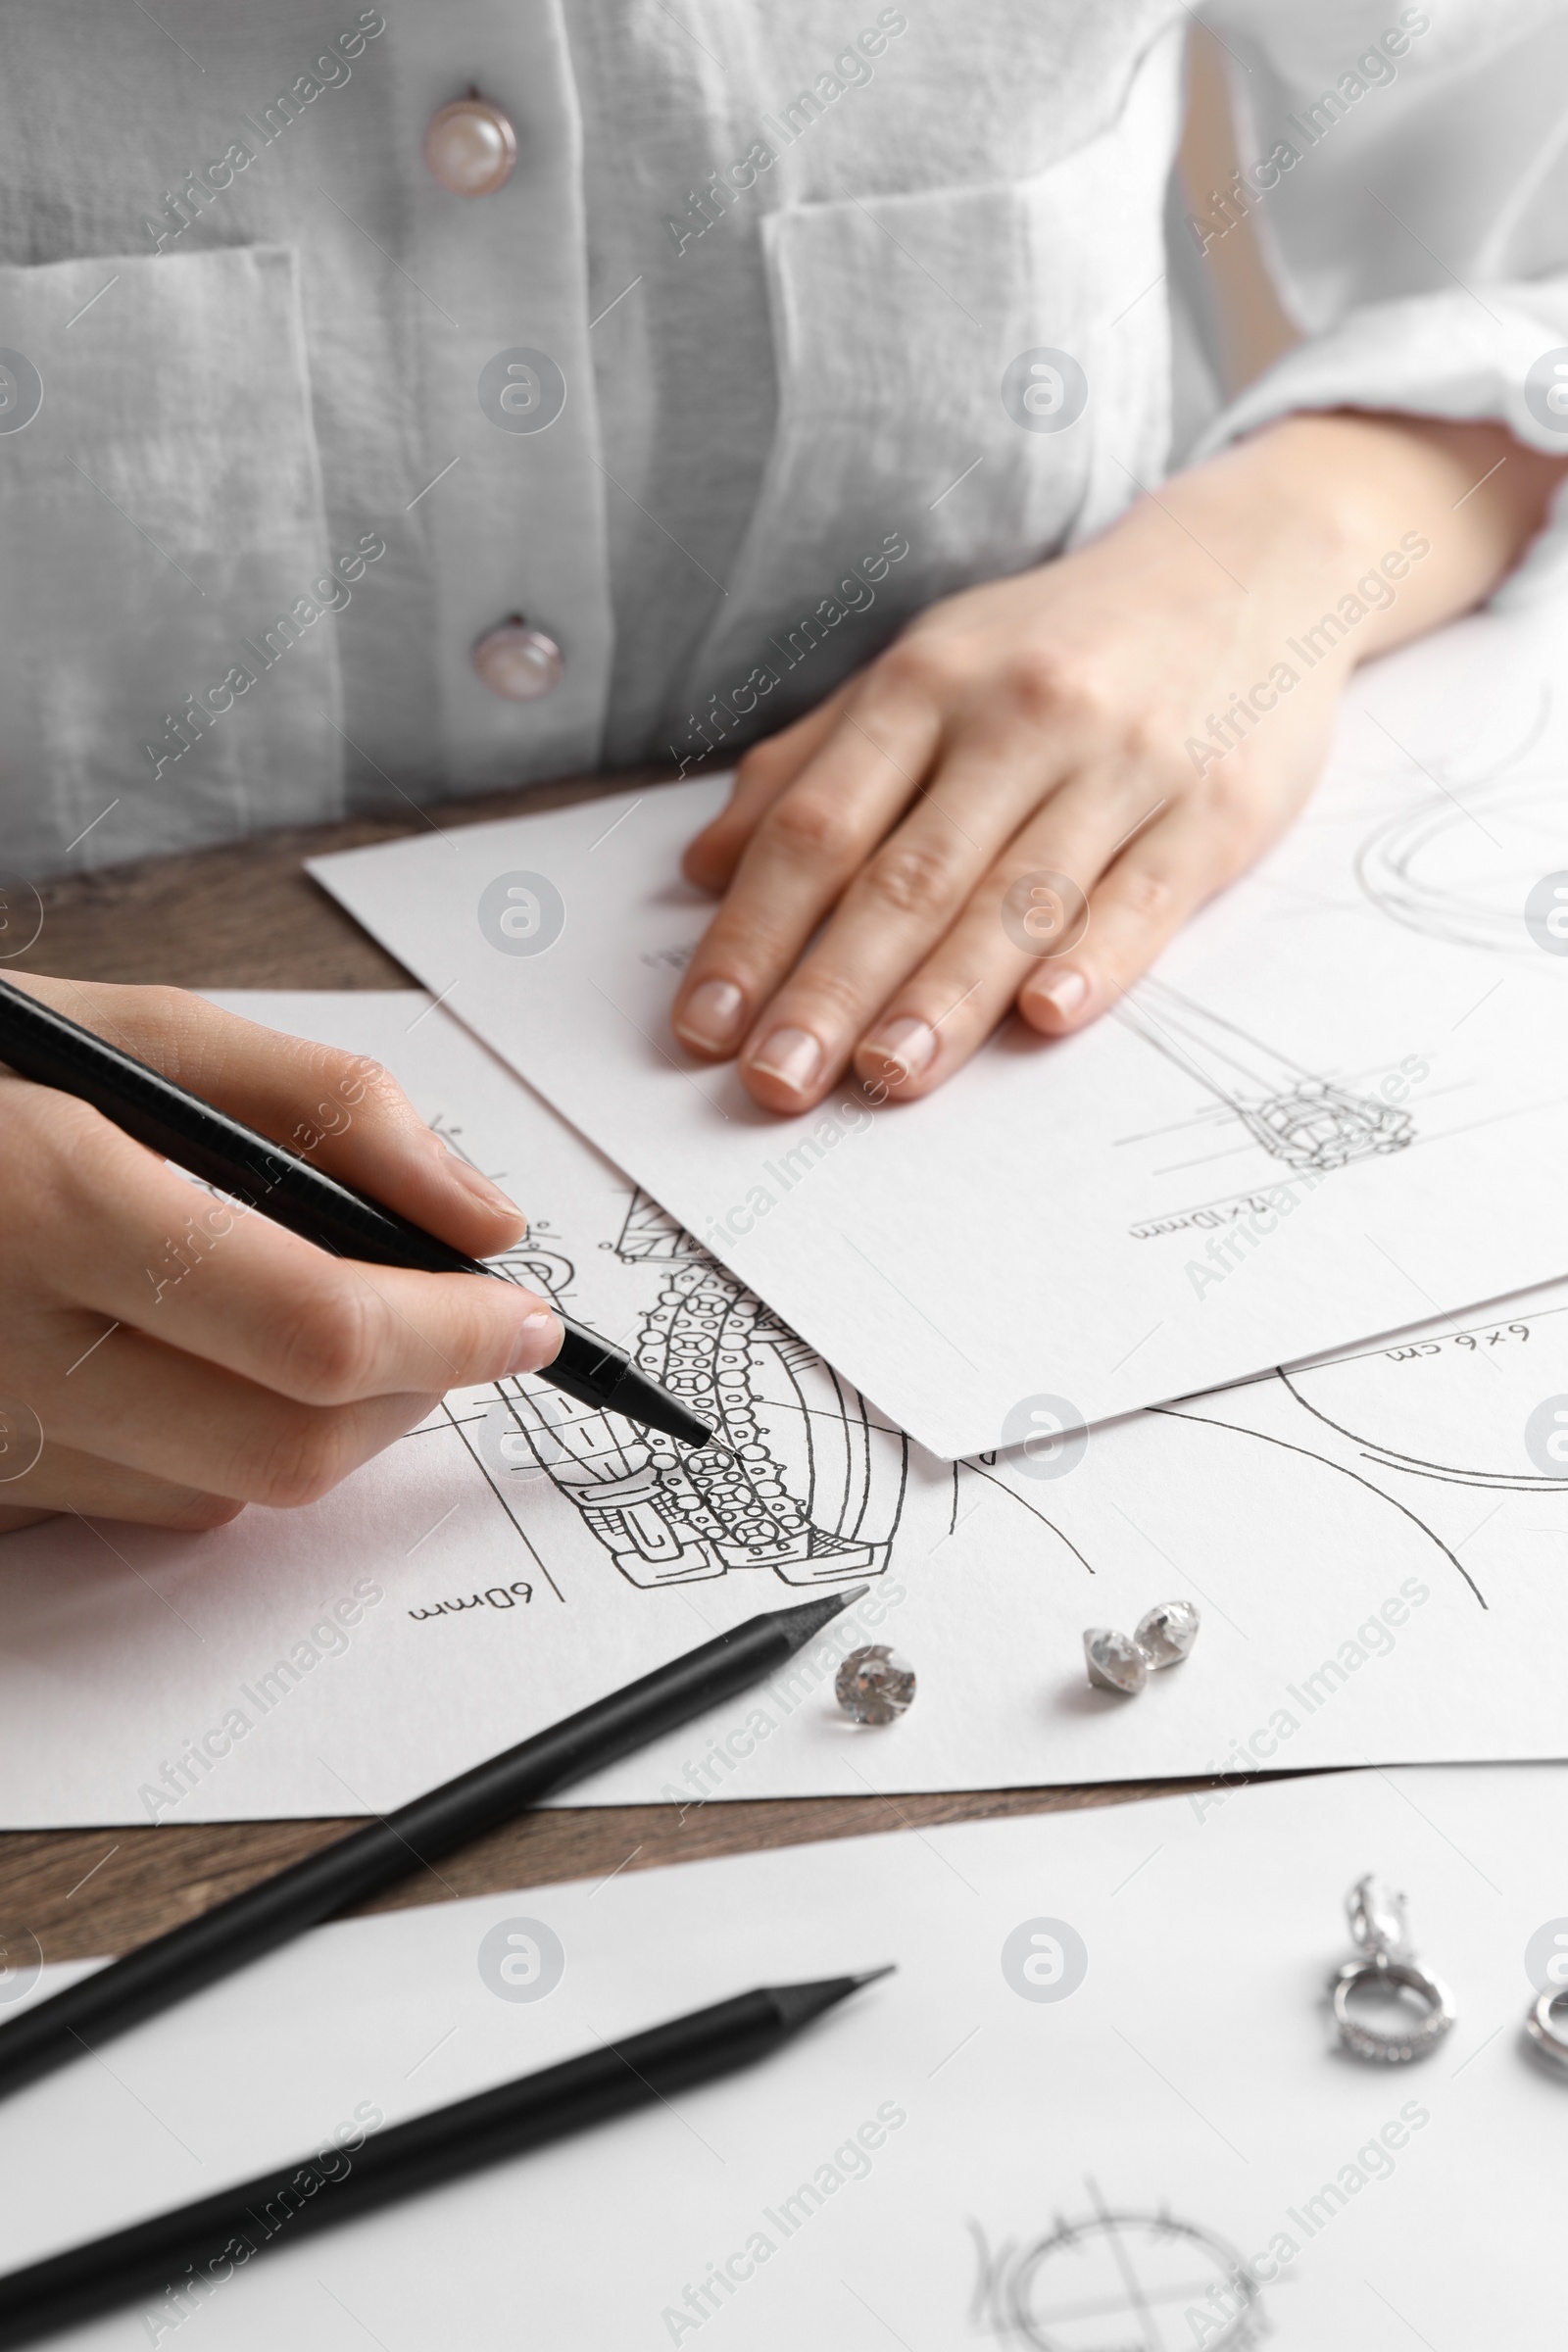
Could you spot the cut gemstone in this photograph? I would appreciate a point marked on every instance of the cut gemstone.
(1115, 1663)
(1166, 1632)
(874, 1684)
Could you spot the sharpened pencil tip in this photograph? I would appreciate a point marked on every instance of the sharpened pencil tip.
(795, 2005)
(802, 1623)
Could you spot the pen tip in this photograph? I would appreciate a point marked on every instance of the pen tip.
(870, 1975)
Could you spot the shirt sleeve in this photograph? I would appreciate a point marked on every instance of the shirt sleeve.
(1405, 171)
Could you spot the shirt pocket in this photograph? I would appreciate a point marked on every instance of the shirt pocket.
(924, 405)
(168, 671)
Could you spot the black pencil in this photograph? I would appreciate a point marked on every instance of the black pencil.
(154, 1975)
(202, 2245)
(40, 1043)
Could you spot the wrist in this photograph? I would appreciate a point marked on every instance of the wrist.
(1447, 508)
(1307, 500)
(1286, 520)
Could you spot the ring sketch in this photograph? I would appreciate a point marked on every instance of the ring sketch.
(1305, 1121)
(805, 1480)
(1459, 868)
(1115, 2278)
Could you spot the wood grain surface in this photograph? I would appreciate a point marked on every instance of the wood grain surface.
(249, 916)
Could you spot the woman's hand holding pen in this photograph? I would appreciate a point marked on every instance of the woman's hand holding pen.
(183, 1357)
(1080, 721)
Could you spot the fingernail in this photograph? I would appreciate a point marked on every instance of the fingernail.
(538, 1343)
(790, 1056)
(714, 1014)
(1063, 992)
(909, 1043)
(478, 1186)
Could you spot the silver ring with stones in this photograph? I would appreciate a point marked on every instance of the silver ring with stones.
(1377, 1924)
(1549, 2036)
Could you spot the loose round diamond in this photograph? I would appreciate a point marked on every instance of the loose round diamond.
(1166, 1632)
(1115, 1662)
(874, 1684)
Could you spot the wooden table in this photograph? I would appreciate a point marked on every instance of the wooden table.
(249, 916)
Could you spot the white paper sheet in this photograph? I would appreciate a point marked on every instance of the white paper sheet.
(1376, 1550)
(1340, 1105)
(1171, 2155)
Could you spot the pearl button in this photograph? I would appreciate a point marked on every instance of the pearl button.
(518, 662)
(470, 147)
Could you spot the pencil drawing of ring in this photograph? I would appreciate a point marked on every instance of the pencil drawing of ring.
(1388, 1965)
(801, 1477)
(1549, 2034)
(1124, 1662)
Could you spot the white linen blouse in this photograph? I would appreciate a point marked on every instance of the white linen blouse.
(786, 321)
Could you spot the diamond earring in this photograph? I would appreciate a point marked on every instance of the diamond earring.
(1377, 1924)
(1119, 1662)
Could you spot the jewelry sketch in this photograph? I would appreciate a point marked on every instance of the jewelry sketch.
(1488, 1449)
(806, 1479)
(1459, 868)
(812, 1483)
(1093, 2283)
(1430, 1425)
(1421, 1442)
(1304, 1120)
